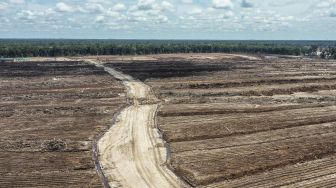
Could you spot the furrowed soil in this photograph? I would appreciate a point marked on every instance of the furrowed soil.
(52, 113)
(234, 121)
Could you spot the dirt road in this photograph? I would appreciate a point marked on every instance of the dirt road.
(132, 153)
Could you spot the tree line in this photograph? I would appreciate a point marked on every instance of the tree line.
(53, 48)
(328, 53)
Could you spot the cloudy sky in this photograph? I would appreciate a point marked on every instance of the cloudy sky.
(169, 19)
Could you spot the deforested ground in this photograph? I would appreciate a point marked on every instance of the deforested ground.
(132, 152)
(245, 122)
(228, 120)
(51, 115)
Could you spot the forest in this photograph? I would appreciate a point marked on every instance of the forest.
(74, 47)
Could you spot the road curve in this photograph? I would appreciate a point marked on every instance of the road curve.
(132, 153)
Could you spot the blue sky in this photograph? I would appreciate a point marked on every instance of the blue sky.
(169, 19)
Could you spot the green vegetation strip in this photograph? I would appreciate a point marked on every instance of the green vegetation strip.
(72, 47)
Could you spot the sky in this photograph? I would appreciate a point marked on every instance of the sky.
(169, 19)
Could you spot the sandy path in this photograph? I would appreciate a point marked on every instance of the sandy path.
(132, 153)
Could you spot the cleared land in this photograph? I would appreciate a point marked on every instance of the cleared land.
(237, 122)
(132, 152)
(51, 115)
(228, 120)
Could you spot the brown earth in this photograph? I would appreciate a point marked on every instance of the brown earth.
(132, 153)
(51, 115)
(243, 122)
(229, 120)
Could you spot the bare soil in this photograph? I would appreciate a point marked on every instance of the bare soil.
(226, 120)
(51, 113)
(245, 122)
(132, 153)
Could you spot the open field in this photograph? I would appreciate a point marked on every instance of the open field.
(52, 113)
(238, 122)
(227, 121)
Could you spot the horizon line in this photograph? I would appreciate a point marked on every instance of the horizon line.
(138, 39)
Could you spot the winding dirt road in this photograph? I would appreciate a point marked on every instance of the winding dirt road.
(132, 153)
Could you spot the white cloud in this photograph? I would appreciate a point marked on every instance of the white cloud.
(222, 4)
(162, 19)
(211, 16)
(286, 18)
(62, 7)
(246, 4)
(117, 26)
(100, 19)
(323, 4)
(146, 4)
(4, 20)
(152, 5)
(208, 16)
(149, 11)
(196, 11)
(332, 13)
(165, 5)
(17, 1)
(93, 8)
(119, 7)
(115, 15)
(28, 15)
(227, 15)
(3, 6)
(112, 13)
(187, 1)
(40, 16)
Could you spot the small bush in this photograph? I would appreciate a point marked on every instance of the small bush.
(54, 145)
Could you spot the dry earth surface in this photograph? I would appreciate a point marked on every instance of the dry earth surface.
(228, 121)
(132, 152)
(232, 121)
(51, 115)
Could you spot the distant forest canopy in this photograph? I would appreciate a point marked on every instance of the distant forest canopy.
(74, 47)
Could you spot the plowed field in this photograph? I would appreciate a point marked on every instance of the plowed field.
(237, 122)
(51, 114)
